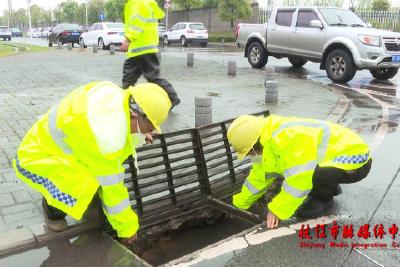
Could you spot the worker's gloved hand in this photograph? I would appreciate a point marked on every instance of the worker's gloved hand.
(125, 45)
(149, 139)
(129, 241)
(272, 220)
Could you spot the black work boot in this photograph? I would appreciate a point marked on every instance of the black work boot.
(53, 218)
(313, 207)
(338, 190)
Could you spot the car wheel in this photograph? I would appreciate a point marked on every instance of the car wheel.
(339, 66)
(384, 73)
(257, 55)
(165, 40)
(82, 42)
(101, 44)
(297, 62)
(203, 44)
(184, 41)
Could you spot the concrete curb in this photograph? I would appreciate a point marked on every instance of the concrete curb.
(37, 235)
(230, 44)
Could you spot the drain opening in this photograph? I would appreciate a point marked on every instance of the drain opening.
(192, 232)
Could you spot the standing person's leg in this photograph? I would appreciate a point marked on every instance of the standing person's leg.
(131, 73)
(150, 67)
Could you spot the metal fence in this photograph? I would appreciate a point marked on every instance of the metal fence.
(388, 20)
(264, 14)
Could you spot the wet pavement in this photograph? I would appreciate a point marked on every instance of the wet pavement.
(90, 249)
(374, 113)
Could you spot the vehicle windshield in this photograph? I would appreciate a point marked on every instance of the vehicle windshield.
(115, 25)
(71, 27)
(197, 27)
(341, 17)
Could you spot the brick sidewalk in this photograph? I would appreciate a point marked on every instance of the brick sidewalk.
(32, 83)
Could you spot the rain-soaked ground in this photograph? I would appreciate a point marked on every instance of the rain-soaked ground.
(374, 114)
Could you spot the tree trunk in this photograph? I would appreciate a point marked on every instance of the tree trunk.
(231, 24)
(187, 12)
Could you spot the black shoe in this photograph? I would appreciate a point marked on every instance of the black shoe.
(338, 190)
(56, 225)
(176, 102)
(313, 207)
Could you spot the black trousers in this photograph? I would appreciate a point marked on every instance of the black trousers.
(326, 180)
(149, 66)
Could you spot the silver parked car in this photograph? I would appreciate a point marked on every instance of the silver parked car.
(336, 38)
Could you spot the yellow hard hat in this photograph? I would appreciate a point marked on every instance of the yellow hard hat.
(244, 133)
(153, 101)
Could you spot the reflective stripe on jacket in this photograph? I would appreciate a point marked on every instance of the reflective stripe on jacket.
(77, 149)
(141, 26)
(292, 148)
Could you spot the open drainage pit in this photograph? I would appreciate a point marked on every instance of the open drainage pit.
(160, 244)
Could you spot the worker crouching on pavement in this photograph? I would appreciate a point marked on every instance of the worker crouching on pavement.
(312, 156)
(79, 146)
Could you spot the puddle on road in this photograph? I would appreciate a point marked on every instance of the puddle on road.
(191, 236)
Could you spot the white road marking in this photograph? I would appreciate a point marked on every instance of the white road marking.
(259, 238)
(253, 238)
(371, 259)
(226, 247)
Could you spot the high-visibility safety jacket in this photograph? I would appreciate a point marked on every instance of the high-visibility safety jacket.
(141, 26)
(77, 149)
(292, 148)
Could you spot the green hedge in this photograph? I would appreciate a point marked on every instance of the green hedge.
(217, 37)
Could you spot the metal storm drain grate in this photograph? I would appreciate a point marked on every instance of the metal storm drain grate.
(186, 180)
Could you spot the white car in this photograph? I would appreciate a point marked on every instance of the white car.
(103, 34)
(5, 33)
(34, 33)
(187, 32)
(45, 33)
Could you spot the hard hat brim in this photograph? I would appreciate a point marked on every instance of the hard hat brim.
(157, 130)
(241, 156)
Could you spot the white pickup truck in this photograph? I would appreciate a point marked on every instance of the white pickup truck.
(336, 38)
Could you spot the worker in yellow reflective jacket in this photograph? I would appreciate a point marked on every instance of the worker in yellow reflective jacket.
(312, 156)
(141, 42)
(77, 150)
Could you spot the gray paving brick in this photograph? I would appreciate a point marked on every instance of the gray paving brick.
(10, 176)
(18, 208)
(6, 200)
(8, 187)
(22, 217)
(2, 224)
(22, 196)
